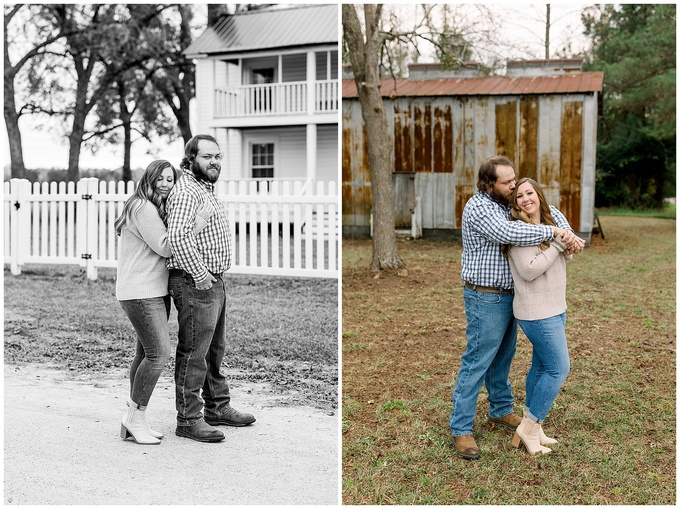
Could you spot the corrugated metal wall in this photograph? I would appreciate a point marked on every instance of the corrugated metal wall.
(444, 140)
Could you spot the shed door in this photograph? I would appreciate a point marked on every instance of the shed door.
(404, 198)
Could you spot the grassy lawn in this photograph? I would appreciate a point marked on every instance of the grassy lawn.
(403, 335)
(283, 331)
(667, 212)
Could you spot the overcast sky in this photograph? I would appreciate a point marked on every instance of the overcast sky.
(523, 24)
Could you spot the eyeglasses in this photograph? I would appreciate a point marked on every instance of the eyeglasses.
(209, 157)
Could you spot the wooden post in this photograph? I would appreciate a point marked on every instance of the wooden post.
(20, 221)
(86, 224)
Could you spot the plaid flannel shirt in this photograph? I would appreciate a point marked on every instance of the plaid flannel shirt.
(210, 249)
(485, 229)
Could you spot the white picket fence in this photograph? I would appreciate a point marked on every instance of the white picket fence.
(286, 228)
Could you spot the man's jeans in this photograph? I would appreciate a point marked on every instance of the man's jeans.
(549, 364)
(200, 348)
(149, 317)
(491, 340)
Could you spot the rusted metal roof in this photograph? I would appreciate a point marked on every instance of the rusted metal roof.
(585, 82)
(301, 25)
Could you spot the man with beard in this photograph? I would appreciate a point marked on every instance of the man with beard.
(197, 286)
(488, 293)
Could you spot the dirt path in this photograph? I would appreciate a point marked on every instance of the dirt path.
(62, 446)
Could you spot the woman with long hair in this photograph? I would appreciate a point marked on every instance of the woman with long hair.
(142, 289)
(539, 305)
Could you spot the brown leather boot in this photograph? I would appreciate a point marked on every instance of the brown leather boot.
(466, 447)
(512, 420)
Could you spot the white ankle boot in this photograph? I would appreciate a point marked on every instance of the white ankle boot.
(528, 433)
(545, 440)
(150, 431)
(134, 425)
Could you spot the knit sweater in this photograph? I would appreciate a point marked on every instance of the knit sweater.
(540, 280)
(142, 249)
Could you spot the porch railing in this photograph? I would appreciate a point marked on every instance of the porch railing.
(276, 99)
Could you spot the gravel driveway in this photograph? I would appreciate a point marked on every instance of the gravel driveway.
(62, 446)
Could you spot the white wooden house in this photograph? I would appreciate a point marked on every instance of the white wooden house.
(267, 88)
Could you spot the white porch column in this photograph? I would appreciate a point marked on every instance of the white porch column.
(311, 152)
(205, 94)
(311, 128)
(311, 81)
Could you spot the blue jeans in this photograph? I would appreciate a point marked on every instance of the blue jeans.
(149, 317)
(549, 364)
(491, 340)
(201, 344)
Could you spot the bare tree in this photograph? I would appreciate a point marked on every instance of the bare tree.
(364, 54)
(368, 47)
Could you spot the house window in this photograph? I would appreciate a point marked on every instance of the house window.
(262, 160)
(327, 65)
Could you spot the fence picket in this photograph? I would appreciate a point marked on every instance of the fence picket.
(277, 227)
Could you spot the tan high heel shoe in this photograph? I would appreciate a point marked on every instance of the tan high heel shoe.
(545, 440)
(133, 425)
(527, 432)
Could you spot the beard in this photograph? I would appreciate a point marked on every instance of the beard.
(202, 174)
(498, 197)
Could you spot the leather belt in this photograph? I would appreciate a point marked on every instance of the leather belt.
(180, 272)
(487, 289)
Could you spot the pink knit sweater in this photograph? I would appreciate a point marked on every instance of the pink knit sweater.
(540, 279)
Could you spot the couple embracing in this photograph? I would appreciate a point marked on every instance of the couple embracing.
(515, 248)
(175, 245)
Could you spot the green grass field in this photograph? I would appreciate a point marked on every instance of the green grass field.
(615, 416)
(283, 331)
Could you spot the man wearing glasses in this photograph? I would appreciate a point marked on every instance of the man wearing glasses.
(197, 286)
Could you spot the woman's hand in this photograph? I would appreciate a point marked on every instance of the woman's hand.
(203, 215)
(206, 210)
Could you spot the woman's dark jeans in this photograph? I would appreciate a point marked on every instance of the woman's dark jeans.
(149, 317)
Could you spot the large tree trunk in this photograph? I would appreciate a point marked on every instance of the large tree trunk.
(75, 139)
(365, 59)
(80, 111)
(16, 152)
(187, 76)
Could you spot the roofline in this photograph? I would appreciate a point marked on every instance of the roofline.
(253, 49)
(388, 92)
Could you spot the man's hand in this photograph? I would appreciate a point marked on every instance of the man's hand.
(575, 244)
(205, 283)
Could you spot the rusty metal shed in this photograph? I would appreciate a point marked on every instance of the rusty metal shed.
(542, 115)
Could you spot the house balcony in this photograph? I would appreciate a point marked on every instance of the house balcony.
(290, 99)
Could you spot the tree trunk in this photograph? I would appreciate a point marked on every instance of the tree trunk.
(126, 120)
(187, 76)
(16, 152)
(547, 32)
(75, 139)
(365, 59)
